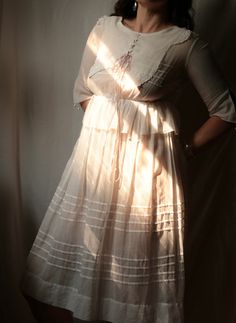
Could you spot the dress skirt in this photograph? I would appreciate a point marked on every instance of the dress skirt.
(110, 246)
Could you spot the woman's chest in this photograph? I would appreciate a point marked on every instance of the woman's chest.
(133, 65)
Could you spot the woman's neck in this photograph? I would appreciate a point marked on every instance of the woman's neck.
(149, 21)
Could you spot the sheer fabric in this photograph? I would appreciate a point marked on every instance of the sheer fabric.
(111, 244)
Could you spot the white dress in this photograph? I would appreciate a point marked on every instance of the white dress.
(110, 246)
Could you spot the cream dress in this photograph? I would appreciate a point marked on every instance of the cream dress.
(110, 246)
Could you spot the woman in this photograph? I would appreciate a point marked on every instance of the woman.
(111, 244)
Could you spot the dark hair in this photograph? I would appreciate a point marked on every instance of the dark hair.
(180, 11)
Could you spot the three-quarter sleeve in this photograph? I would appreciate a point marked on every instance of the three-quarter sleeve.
(209, 82)
(81, 92)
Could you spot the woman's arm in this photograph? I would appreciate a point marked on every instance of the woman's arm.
(210, 130)
(81, 92)
(208, 80)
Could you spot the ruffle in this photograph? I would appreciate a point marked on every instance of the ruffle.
(138, 118)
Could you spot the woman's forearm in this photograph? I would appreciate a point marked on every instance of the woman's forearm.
(210, 130)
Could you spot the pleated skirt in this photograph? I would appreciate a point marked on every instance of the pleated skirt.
(110, 246)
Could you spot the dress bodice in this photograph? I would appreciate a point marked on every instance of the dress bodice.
(132, 67)
(140, 75)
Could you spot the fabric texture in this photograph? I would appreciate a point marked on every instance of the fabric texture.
(110, 246)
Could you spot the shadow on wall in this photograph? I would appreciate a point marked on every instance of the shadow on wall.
(215, 21)
(12, 304)
(210, 254)
(210, 234)
(12, 251)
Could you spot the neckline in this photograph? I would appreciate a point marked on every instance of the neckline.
(127, 29)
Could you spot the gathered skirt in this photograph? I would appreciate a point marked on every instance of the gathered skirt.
(110, 246)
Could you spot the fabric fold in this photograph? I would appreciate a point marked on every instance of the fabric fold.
(138, 118)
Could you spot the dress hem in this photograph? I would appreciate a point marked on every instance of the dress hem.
(44, 292)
